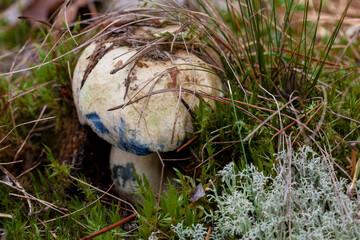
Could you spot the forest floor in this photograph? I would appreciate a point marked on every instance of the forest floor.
(277, 157)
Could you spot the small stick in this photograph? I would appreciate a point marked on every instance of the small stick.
(188, 143)
(35, 165)
(208, 233)
(5, 215)
(101, 231)
(51, 232)
(13, 162)
(353, 159)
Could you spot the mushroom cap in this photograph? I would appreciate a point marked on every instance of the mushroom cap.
(149, 121)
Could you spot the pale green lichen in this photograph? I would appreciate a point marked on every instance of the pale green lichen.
(195, 232)
(304, 201)
(153, 236)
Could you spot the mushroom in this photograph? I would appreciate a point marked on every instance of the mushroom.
(138, 99)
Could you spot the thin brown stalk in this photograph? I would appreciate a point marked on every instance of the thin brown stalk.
(265, 121)
(35, 165)
(29, 133)
(30, 90)
(187, 143)
(211, 157)
(104, 230)
(13, 162)
(108, 194)
(297, 120)
(79, 210)
(26, 123)
(17, 186)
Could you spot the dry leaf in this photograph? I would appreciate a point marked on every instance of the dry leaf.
(71, 12)
(197, 193)
(42, 9)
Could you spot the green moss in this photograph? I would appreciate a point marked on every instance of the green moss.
(15, 36)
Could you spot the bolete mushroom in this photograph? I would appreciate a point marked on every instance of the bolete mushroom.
(136, 94)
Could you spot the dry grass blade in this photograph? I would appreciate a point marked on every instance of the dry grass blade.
(35, 165)
(153, 93)
(297, 120)
(5, 215)
(13, 162)
(17, 186)
(353, 159)
(187, 143)
(29, 197)
(26, 123)
(264, 122)
(79, 210)
(307, 122)
(140, 53)
(99, 190)
(30, 90)
(29, 133)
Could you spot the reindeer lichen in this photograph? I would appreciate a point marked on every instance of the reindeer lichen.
(303, 201)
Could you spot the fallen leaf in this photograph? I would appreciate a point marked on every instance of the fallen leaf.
(42, 9)
(69, 14)
(197, 193)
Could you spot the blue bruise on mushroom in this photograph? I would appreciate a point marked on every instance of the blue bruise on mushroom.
(124, 174)
(129, 144)
(95, 120)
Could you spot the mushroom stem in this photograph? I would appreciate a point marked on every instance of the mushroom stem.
(123, 164)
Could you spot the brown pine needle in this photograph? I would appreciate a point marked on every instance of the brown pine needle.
(188, 143)
(104, 230)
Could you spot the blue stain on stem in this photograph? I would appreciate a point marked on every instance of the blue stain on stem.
(96, 121)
